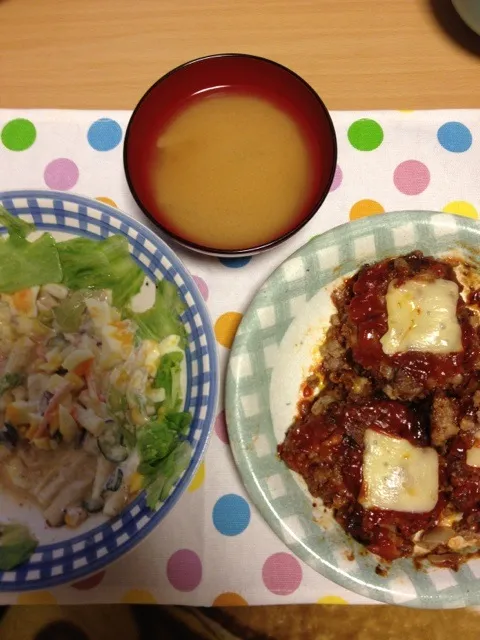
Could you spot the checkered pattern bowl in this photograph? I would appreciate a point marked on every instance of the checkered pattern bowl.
(66, 556)
(272, 353)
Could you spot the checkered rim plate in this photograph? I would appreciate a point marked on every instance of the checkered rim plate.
(71, 560)
(270, 484)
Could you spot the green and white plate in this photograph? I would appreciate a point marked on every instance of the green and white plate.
(272, 354)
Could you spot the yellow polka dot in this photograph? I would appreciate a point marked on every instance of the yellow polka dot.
(37, 597)
(229, 599)
(461, 208)
(226, 327)
(108, 201)
(198, 478)
(138, 596)
(364, 208)
(331, 600)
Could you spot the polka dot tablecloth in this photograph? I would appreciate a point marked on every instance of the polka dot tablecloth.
(214, 548)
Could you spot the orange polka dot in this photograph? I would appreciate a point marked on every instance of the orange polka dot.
(331, 600)
(108, 201)
(198, 478)
(138, 596)
(37, 597)
(364, 208)
(229, 599)
(461, 208)
(89, 583)
(226, 327)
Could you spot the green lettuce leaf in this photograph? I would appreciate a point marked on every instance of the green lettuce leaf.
(168, 472)
(179, 421)
(104, 264)
(168, 378)
(17, 228)
(163, 318)
(16, 545)
(155, 441)
(69, 312)
(164, 454)
(26, 264)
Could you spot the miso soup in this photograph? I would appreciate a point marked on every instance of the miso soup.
(231, 171)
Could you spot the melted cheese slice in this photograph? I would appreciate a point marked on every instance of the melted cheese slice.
(422, 316)
(398, 476)
(473, 454)
(473, 457)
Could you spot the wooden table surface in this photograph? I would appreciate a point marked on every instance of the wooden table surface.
(358, 54)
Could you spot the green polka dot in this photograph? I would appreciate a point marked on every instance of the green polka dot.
(365, 134)
(18, 134)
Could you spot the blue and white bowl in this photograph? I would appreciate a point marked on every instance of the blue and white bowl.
(64, 555)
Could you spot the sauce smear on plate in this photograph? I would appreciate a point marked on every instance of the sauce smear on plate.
(231, 171)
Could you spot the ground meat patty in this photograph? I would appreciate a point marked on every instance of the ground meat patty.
(430, 400)
(354, 339)
(327, 450)
(444, 418)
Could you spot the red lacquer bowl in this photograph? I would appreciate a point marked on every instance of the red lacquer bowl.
(247, 74)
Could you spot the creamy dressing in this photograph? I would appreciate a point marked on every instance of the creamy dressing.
(64, 396)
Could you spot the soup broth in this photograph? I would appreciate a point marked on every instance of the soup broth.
(231, 172)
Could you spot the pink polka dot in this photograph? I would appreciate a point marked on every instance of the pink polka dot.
(202, 286)
(411, 177)
(282, 574)
(221, 427)
(89, 583)
(61, 174)
(337, 179)
(184, 570)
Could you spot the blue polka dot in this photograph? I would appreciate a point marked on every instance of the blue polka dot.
(455, 137)
(231, 514)
(104, 134)
(235, 263)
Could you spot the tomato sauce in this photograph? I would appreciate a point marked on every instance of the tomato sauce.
(327, 449)
(334, 441)
(368, 312)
